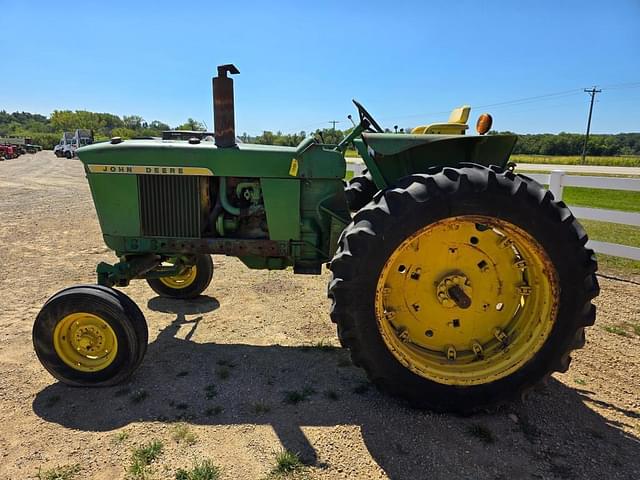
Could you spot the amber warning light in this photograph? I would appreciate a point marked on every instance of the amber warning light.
(483, 125)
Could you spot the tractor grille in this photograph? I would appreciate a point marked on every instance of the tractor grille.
(169, 206)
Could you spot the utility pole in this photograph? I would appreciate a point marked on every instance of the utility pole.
(333, 122)
(591, 92)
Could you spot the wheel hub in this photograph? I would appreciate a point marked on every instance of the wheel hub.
(454, 290)
(85, 342)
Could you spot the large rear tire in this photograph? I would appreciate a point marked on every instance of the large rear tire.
(360, 190)
(462, 289)
(90, 336)
(190, 283)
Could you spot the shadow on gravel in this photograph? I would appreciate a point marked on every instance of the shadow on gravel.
(554, 434)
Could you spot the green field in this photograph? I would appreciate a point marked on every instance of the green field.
(627, 161)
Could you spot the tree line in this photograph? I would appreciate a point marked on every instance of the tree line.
(563, 143)
(46, 131)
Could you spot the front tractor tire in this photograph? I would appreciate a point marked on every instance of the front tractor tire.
(189, 283)
(90, 336)
(461, 289)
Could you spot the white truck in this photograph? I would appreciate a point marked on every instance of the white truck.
(70, 142)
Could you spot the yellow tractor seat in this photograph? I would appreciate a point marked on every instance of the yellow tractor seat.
(456, 125)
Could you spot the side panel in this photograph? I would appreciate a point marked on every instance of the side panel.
(282, 204)
(116, 200)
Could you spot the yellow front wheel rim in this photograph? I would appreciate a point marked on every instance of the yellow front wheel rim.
(466, 300)
(182, 280)
(85, 342)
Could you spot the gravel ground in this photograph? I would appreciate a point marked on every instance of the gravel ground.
(222, 367)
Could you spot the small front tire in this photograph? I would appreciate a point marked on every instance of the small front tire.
(90, 336)
(190, 283)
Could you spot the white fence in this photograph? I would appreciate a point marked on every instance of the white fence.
(558, 179)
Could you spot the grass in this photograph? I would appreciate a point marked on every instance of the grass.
(212, 411)
(600, 198)
(614, 233)
(322, 345)
(331, 395)
(139, 396)
(623, 329)
(65, 472)
(201, 470)
(622, 161)
(120, 437)
(183, 434)
(287, 462)
(481, 432)
(210, 391)
(293, 397)
(580, 381)
(143, 457)
(260, 408)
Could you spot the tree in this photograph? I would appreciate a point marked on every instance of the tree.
(191, 124)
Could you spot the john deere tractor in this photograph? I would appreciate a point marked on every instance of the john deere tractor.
(456, 283)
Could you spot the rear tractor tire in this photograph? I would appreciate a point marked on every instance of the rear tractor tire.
(190, 283)
(90, 336)
(462, 289)
(360, 190)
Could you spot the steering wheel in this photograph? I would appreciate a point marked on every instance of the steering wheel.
(366, 116)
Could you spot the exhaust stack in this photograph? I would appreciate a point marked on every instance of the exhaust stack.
(223, 111)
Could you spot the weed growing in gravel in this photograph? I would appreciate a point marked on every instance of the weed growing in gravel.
(120, 437)
(580, 381)
(52, 400)
(259, 408)
(121, 392)
(139, 396)
(201, 470)
(294, 397)
(362, 388)
(636, 328)
(223, 373)
(66, 472)
(225, 362)
(182, 434)
(142, 457)
(211, 411)
(287, 462)
(210, 391)
(615, 329)
(481, 432)
(331, 395)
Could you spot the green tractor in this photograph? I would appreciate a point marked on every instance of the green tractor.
(456, 283)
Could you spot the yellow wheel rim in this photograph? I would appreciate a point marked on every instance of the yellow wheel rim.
(85, 342)
(182, 280)
(466, 300)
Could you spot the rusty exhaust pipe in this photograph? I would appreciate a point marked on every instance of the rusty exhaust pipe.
(223, 112)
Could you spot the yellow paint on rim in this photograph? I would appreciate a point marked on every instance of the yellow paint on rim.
(467, 300)
(182, 280)
(85, 342)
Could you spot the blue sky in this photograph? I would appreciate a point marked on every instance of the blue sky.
(301, 62)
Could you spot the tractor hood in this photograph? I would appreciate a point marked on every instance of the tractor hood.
(391, 144)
